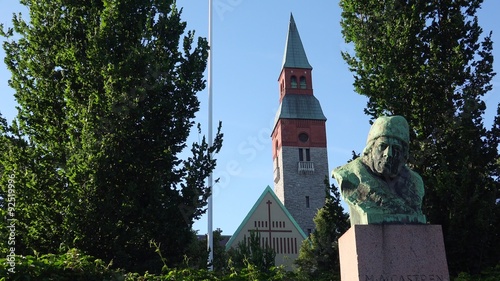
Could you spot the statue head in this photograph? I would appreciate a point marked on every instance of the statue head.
(386, 150)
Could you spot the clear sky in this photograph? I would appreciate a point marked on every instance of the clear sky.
(248, 45)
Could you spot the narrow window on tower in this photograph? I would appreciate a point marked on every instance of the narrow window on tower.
(301, 154)
(293, 81)
(303, 84)
(308, 154)
(307, 201)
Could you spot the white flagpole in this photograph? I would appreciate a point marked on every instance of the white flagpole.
(210, 237)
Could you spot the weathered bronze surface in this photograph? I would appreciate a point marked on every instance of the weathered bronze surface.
(378, 186)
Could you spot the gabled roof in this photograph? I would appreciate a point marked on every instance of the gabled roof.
(295, 56)
(259, 202)
(296, 106)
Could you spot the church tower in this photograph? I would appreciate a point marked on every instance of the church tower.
(299, 137)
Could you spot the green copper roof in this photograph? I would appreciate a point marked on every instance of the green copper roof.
(259, 201)
(295, 106)
(295, 56)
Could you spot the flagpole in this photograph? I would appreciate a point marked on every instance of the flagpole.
(210, 237)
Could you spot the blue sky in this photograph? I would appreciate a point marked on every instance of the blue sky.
(248, 44)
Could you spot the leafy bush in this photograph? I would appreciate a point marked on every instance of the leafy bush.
(491, 274)
(72, 265)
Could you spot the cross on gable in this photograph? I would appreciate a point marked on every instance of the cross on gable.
(283, 245)
(270, 229)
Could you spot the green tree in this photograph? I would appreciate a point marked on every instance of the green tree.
(319, 254)
(197, 255)
(107, 97)
(252, 254)
(220, 253)
(429, 62)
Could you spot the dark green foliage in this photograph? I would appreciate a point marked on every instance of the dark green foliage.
(220, 255)
(251, 253)
(107, 97)
(489, 274)
(319, 254)
(197, 253)
(72, 265)
(429, 62)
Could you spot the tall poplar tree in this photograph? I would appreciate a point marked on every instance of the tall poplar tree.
(430, 62)
(107, 97)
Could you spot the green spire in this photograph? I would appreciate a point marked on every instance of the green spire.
(295, 56)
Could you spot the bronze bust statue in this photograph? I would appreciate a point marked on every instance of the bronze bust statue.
(378, 186)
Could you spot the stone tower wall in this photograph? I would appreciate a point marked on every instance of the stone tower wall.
(292, 187)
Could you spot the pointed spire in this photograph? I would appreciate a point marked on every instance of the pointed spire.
(295, 56)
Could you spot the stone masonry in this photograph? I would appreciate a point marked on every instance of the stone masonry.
(292, 187)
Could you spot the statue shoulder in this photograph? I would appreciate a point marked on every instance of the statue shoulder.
(348, 176)
(416, 181)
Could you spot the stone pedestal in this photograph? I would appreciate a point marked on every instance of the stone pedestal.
(393, 253)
